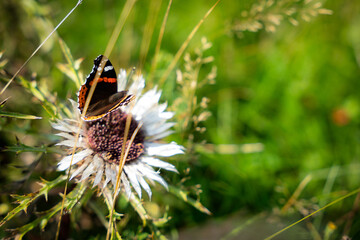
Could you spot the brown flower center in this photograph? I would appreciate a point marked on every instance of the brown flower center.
(106, 136)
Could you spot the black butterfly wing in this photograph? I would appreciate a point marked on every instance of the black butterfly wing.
(106, 85)
(106, 98)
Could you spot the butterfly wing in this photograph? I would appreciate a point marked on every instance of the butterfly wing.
(106, 85)
(105, 97)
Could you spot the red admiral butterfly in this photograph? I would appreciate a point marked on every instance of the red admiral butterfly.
(106, 97)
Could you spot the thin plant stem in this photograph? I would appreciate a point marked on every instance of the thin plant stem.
(128, 6)
(351, 215)
(158, 44)
(326, 192)
(123, 157)
(87, 103)
(149, 27)
(184, 45)
(311, 214)
(126, 132)
(119, 26)
(122, 164)
(296, 194)
(37, 49)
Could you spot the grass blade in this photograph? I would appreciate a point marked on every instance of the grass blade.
(18, 115)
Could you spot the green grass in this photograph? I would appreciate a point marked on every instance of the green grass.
(295, 91)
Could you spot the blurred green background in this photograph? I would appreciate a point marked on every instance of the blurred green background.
(285, 107)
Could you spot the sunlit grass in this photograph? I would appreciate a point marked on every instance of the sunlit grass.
(269, 114)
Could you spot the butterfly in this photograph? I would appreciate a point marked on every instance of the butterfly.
(106, 97)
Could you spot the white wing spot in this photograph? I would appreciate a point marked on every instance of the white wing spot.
(108, 68)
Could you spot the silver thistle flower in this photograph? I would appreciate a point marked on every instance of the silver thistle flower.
(99, 146)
